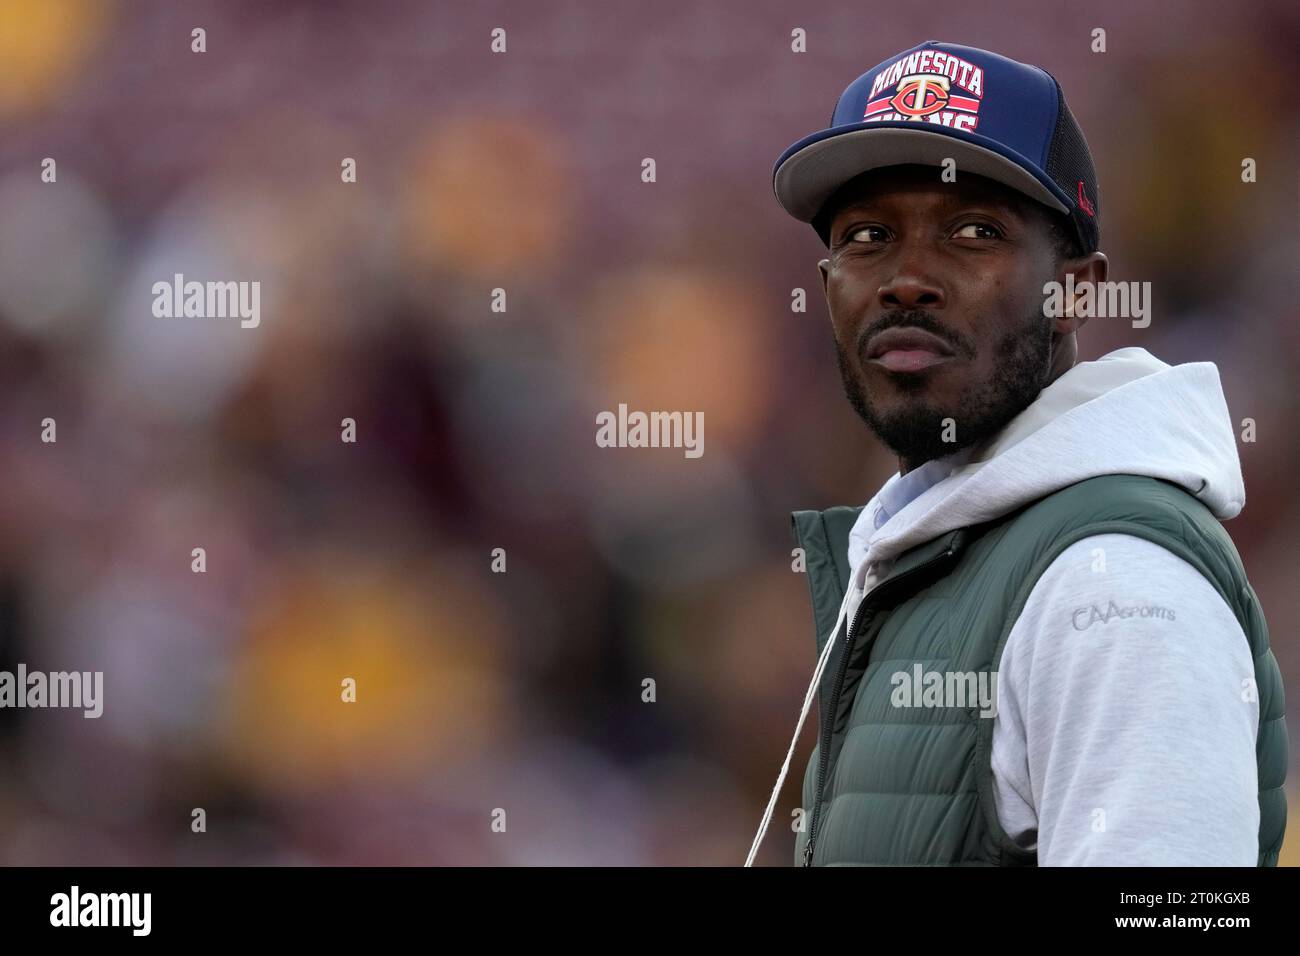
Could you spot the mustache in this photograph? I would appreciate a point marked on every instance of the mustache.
(917, 319)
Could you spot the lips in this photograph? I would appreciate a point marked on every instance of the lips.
(907, 350)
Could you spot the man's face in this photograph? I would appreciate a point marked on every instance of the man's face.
(964, 261)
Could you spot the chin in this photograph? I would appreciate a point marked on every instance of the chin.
(884, 383)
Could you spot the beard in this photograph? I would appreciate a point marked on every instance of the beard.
(915, 433)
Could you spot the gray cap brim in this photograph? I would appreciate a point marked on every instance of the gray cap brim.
(810, 174)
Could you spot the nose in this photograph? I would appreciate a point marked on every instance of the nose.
(911, 286)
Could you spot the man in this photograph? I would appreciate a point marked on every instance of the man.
(1037, 644)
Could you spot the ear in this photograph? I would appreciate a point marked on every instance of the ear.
(1090, 269)
(824, 267)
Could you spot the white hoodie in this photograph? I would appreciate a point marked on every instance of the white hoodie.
(1120, 739)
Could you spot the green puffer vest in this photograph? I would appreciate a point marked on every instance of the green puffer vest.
(914, 786)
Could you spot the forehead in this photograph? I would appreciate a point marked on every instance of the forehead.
(913, 185)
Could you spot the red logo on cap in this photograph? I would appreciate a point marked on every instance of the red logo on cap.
(921, 95)
(1084, 204)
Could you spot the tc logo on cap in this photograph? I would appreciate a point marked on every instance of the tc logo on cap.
(920, 95)
(922, 84)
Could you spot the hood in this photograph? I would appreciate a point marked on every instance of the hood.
(1125, 413)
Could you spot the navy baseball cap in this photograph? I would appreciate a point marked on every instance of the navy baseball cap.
(996, 117)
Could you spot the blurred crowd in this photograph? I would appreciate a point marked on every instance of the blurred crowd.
(521, 691)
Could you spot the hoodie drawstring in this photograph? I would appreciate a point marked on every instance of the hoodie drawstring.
(803, 714)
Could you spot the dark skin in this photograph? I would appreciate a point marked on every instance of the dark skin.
(966, 261)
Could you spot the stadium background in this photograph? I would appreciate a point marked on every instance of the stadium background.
(519, 690)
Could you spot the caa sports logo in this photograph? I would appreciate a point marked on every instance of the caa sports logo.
(929, 86)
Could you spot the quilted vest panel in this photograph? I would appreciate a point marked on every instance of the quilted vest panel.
(914, 785)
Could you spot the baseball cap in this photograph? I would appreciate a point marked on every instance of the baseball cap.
(994, 116)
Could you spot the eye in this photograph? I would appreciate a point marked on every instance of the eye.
(972, 230)
(868, 234)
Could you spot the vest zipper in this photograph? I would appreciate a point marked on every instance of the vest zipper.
(838, 687)
(825, 752)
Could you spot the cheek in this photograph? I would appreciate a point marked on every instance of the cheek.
(847, 297)
(1004, 300)
(1025, 283)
